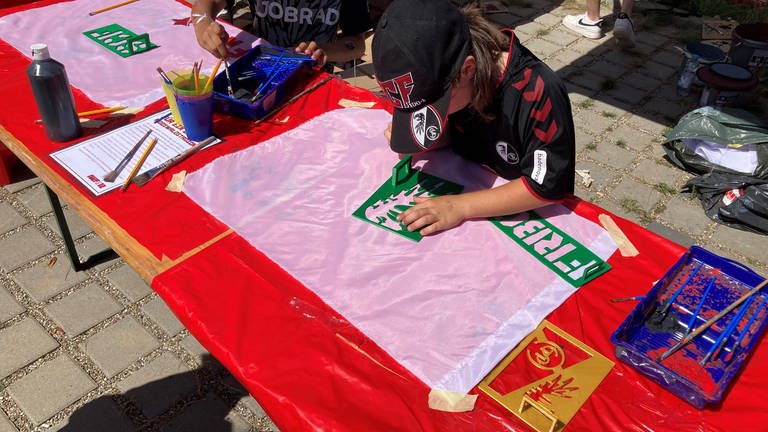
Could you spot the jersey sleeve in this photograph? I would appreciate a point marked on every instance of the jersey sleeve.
(546, 129)
(354, 17)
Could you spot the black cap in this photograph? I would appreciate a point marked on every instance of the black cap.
(418, 48)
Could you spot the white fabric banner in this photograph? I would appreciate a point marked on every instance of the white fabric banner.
(449, 307)
(104, 76)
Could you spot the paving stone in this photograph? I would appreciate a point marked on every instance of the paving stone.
(83, 309)
(622, 57)
(22, 247)
(594, 48)
(548, 20)
(631, 137)
(50, 388)
(29, 341)
(209, 414)
(747, 243)
(682, 239)
(601, 177)
(196, 349)
(686, 214)
(645, 197)
(609, 69)
(643, 48)
(42, 281)
(605, 104)
(77, 226)
(116, 347)
(247, 401)
(626, 93)
(9, 307)
(101, 414)
(669, 58)
(561, 37)
(532, 28)
(155, 387)
(562, 69)
(658, 70)
(610, 154)
(159, 312)
(129, 283)
(36, 200)
(583, 139)
(22, 184)
(618, 210)
(655, 39)
(91, 247)
(648, 124)
(6, 425)
(572, 57)
(541, 48)
(641, 82)
(654, 172)
(9, 218)
(593, 122)
(588, 80)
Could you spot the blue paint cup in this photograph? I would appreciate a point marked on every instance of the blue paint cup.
(196, 110)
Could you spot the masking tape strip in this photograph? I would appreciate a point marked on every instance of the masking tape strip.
(448, 401)
(626, 248)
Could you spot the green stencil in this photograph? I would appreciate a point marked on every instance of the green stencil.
(568, 258)
(396, 195)
(120, 40)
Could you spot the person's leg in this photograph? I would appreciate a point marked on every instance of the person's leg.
(587, 24)
(623, 28)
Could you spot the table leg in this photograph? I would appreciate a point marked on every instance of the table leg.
(69, 243)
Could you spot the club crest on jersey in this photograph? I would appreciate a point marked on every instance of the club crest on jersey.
(426, 126)
(507, 152)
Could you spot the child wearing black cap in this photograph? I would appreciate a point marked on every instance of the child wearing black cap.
(455, 80)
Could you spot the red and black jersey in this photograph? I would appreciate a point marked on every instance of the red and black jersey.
(532, 134)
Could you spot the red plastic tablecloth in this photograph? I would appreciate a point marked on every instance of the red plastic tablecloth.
(304, 363)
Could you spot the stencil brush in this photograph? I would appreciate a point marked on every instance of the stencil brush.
(112, 175)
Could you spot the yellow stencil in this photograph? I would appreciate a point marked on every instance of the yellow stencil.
(551, 376)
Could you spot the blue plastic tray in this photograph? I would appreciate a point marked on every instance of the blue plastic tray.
(267, 70)
(644, 335)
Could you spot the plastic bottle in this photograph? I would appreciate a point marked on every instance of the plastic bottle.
(53, 95)
(687, 75)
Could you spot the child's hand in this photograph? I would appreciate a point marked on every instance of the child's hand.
(311, 48)
(430, 215)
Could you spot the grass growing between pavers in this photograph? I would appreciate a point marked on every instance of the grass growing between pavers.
(665, 188)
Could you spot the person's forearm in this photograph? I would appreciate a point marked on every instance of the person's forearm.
(510, 198)
(211, 8)
(345, 48)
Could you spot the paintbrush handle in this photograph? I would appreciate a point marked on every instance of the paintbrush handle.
(293, 99)
(712, 320)
(145, 177)
(127, 157)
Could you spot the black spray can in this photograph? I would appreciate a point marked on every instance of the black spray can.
(53, 95)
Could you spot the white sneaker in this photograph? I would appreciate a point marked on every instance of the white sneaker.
(581, 25)
(624, 31)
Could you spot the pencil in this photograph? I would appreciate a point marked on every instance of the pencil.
(213, 74)
(139, 163)
(100, 111)
(114, 6)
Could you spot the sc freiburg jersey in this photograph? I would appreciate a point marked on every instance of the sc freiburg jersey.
(532, 134)
(287, 23)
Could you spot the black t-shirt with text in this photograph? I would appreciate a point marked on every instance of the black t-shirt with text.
(287, 23)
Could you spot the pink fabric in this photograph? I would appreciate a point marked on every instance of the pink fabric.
(449, 307)
(131, 81)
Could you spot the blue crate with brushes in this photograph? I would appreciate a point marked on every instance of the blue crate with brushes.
(696, 327)
(258, 81)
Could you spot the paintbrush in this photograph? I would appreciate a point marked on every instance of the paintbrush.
(692, 321)
(711, 321)
(145, 177)
(112, 175)
(745, 330)
(716, 347)
(293, 99)
(668, 304)
(230, 92)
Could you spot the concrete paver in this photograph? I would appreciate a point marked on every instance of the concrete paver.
(92, 348)
(50, 388)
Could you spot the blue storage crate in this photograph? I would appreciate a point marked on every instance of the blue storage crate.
(263, 71)
(645, 334)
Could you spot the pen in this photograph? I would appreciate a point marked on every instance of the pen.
(114, 6)
(139, 164)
